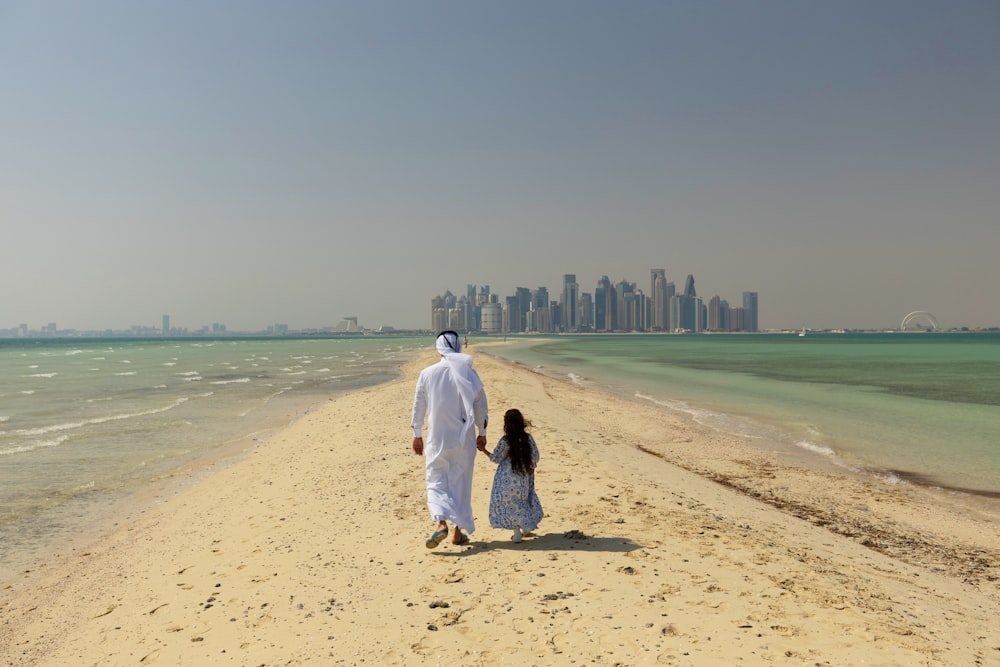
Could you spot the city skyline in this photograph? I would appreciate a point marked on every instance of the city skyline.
(653, 321)
(613, 306)
(299, 162)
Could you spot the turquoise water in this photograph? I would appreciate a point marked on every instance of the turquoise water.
(921, 408)
(83, 422)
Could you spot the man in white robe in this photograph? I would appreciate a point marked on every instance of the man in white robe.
(452, 398)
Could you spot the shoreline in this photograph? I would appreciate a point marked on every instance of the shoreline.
(884, 524)
(661, 543)
(96, 518)
(795, 456)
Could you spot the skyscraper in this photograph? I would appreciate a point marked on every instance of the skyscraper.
(750, 311)
(539, 319)
(166, 325)
(605, 306)
(492, 314)
(570, 296)
(586, 312)
(523, 295)
(689, 286)
(685, 313)
(661, 301)
(439, 314)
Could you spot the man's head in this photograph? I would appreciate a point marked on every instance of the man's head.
(448, 342)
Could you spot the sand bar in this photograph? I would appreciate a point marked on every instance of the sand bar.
(662, 544)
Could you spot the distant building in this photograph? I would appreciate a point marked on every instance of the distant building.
(612, 307)
(492, 314)
(348, 325)
(605, 306)
(689, 286)
(570, 305)
(660, 300)
(686, 312)
(749, 311)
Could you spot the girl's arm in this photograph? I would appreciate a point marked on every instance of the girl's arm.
(500, 452)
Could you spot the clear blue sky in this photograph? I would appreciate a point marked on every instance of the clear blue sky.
(254, 162)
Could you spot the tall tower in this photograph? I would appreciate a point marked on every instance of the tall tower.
(166, 325)
(653, 275)
(570, 297)
(750, 311)
(661, 302)
(439, 314)
(689, 286)
(605, 306)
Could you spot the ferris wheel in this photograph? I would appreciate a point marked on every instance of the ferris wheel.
(919, 319)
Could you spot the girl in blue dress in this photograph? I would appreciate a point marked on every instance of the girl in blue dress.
(514, 505)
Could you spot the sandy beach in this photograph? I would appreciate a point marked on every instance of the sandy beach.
(662, 544)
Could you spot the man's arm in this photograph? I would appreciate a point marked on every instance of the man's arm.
(480, 410)
(417, 416)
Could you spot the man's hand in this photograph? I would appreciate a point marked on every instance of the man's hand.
(418, 446)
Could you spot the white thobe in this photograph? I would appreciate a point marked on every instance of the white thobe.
(450, 445)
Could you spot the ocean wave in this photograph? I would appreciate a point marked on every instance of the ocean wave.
(27, 392)
(679, 406)
(74, 352)
(717, 421)
(41, 375)
(236, 381)
(67, 426)
(189, 373)
(816, 449)
(889, 478)
(30, 447)
(4, 418)
(126, 373)
(574, 378)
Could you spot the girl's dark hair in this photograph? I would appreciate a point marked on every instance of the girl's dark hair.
(514, 424)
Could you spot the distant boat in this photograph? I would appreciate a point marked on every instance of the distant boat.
(803, 332)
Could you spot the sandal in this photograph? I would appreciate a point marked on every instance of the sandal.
(436, 538)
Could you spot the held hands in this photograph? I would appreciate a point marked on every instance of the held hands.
(418, 445)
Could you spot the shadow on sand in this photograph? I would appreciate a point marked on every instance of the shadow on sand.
(574, 540)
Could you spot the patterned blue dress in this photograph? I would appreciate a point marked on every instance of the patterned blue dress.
(513, 502)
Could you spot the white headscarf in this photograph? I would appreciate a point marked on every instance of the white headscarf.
(469, 384)
(448, 343)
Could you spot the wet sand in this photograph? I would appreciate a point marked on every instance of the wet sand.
(662, 544)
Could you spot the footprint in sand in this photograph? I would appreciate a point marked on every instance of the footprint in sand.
(150, 657)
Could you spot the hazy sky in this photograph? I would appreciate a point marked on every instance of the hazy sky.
(257, 162)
